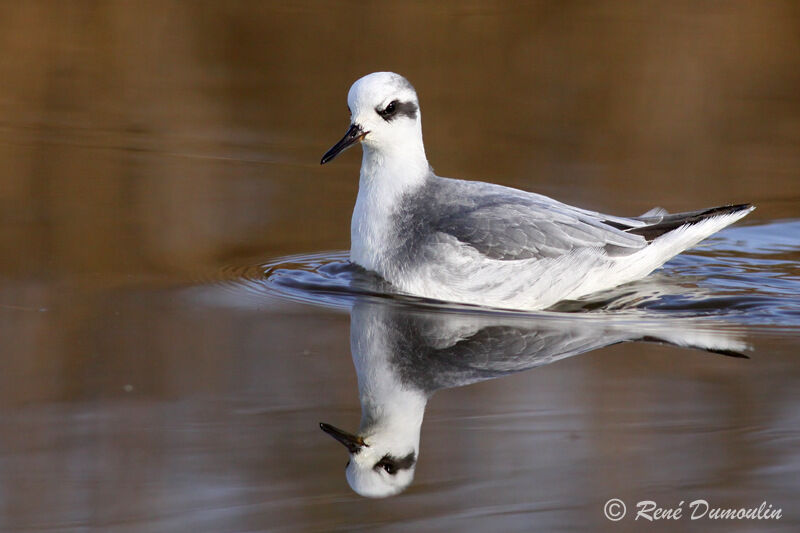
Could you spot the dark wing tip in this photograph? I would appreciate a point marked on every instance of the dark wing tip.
(672, 222)
(729, 353)
(735, 208)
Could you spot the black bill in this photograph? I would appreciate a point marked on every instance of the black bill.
(353, 135)
(353, 443)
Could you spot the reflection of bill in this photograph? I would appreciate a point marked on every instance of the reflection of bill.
(403, 354)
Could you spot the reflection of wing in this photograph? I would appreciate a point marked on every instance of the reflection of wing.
(490, 351)
(434, 349)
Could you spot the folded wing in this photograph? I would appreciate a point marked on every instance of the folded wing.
(511, 228)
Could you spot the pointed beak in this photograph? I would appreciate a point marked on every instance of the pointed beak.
(352, 442)
(353, 135)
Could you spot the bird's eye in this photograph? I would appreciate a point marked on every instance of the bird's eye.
(389, 110)
(387, 465)
(392, 465)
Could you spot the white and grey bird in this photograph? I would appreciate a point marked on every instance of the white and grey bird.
(481, 243)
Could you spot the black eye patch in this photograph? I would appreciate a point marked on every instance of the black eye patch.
(392, 464)
(396, 109)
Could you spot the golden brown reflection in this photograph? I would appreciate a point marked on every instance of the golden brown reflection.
(145, 145)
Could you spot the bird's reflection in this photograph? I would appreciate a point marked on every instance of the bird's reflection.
(403, 354)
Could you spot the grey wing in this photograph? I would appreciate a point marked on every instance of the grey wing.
(510, 227)
(503, 349)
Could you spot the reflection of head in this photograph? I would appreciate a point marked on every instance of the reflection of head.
(380, 465)
(376, 474)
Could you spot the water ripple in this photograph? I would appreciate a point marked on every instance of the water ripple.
(749, 275)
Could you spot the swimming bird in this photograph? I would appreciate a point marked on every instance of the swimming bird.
(403, 354)
(486, 244)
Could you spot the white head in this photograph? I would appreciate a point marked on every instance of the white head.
(381, 463)
(384, 115)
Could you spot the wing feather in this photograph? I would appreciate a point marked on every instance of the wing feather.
(525, 226)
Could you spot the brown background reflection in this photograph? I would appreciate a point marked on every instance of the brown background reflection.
(149, 147)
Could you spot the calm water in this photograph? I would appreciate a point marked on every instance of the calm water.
(176, 325)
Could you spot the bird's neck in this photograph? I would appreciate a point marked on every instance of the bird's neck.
(389, 406)
(397, 412)
(387, 175)
(394, 167)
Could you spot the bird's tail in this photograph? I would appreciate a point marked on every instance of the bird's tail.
(660, 223)
(669, 235)
(719, 342)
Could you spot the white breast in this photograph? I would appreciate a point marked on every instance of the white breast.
(382, 186)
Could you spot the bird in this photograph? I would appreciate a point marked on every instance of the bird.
(404, 353)
(485, 244)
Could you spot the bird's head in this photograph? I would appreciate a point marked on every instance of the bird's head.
(384, 115)
(380, 464)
